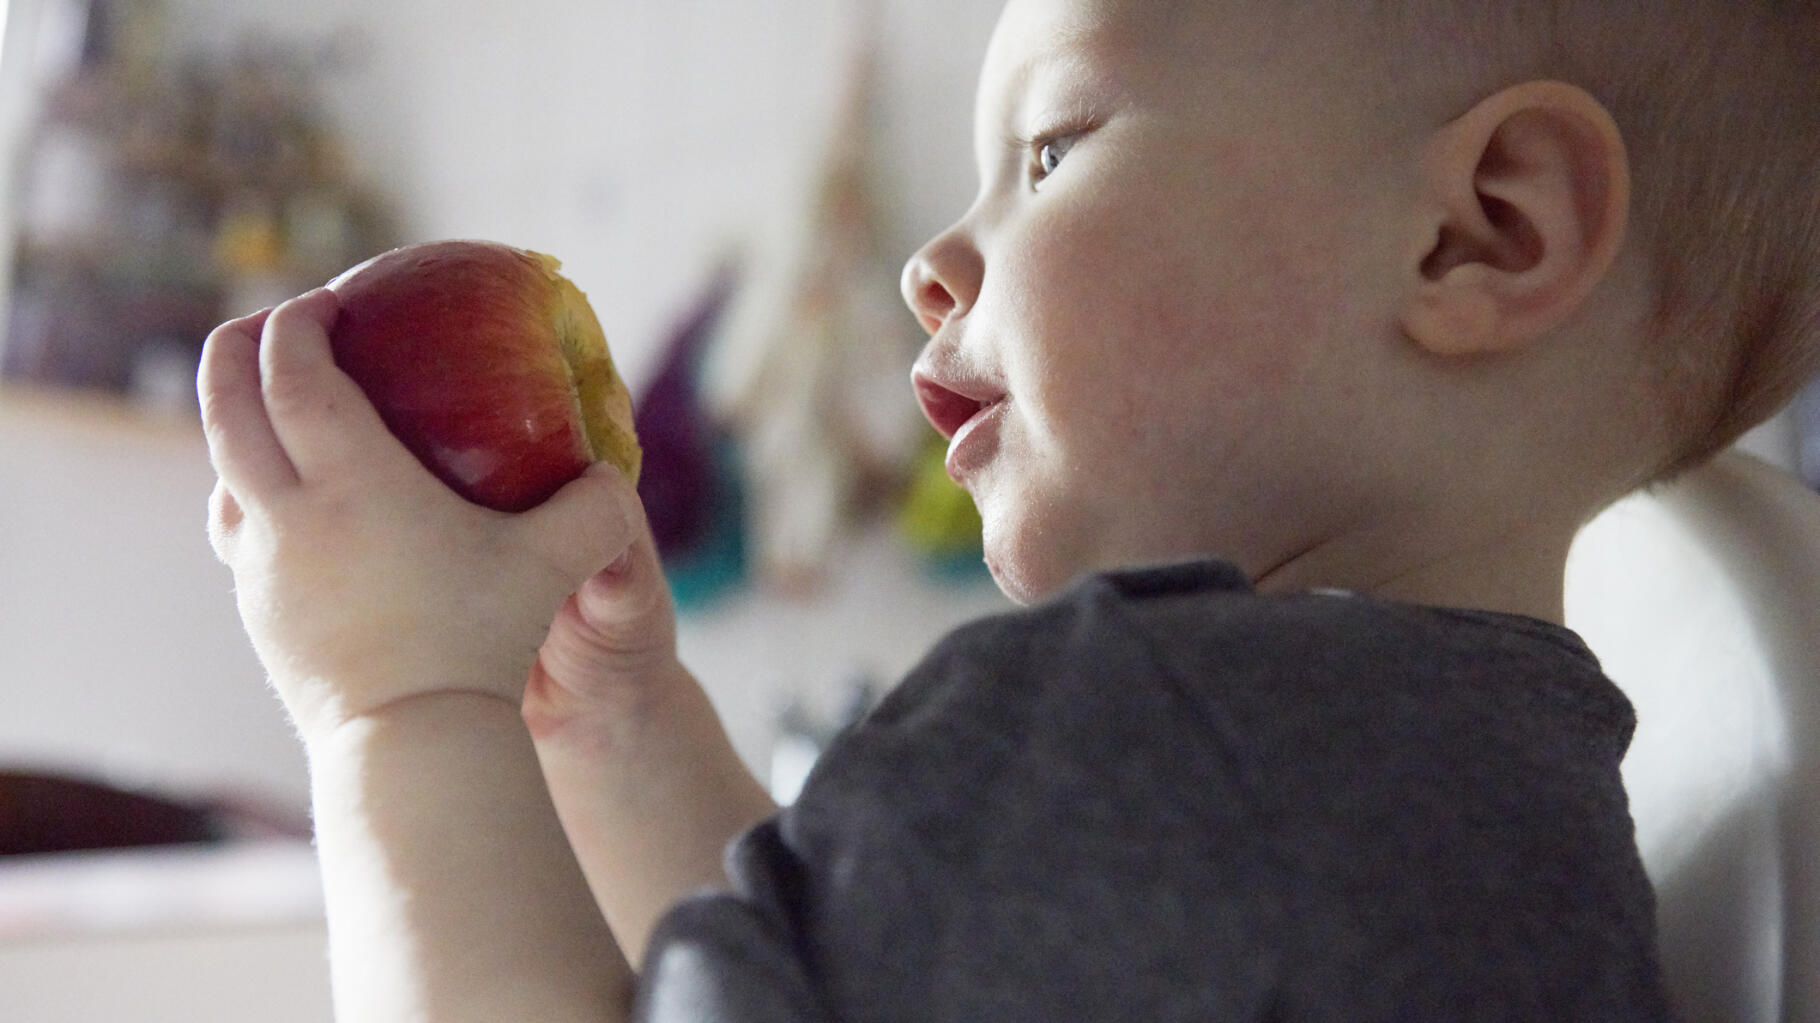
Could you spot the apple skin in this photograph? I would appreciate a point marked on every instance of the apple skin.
(488, 364)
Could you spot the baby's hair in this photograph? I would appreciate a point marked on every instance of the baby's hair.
(1719, 104)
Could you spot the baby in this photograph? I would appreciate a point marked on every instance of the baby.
(1284, 351)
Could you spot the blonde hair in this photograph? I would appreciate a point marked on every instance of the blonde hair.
(1719, 104)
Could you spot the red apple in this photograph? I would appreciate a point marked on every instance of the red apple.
(488, 364)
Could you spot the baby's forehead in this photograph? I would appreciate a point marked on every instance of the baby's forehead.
(1074, 35)
(1110, 47)
(1029, 27)
(1160, 38)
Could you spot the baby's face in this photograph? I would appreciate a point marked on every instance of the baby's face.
(1148, 330)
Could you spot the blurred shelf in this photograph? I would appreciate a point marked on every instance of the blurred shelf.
(94, 412)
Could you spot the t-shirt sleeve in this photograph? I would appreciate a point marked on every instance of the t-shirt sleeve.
(716, 961)
(729, 957)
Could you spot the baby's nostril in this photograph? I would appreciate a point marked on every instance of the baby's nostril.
(935, 305)
(931, 323)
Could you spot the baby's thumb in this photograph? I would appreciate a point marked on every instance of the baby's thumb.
(588, 524)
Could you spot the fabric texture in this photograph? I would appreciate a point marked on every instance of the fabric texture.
(1164, 797)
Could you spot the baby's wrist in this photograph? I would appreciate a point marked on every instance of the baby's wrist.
(613, 718)
(451, 715)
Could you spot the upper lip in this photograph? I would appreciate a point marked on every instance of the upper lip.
(950, 400)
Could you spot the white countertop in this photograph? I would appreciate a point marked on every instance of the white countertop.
(232, 885)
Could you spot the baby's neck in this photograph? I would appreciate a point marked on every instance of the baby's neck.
(1518, 572)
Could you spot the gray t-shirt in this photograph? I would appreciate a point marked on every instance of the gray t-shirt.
(1163, 797)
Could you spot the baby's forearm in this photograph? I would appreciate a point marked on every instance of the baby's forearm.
(650, 800)
(452, 893)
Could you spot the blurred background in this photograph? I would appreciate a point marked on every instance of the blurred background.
(734, 184)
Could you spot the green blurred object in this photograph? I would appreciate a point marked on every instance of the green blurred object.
(939, 519)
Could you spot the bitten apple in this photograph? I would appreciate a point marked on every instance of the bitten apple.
(488, 364)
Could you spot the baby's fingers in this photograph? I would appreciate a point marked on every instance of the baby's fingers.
(323, 419)
(242, 445)
(586, 525)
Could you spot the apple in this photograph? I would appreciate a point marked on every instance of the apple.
(488, 364)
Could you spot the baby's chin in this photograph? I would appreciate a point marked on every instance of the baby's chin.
(1025, 561)
(1014, 585)
(1041, 540)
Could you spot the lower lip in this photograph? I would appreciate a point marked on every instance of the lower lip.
(974, 444)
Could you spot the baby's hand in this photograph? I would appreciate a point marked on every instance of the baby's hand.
(361, 579)
(611, 651)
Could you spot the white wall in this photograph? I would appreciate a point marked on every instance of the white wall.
(120, 652)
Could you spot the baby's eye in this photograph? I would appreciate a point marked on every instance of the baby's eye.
(1049, 154)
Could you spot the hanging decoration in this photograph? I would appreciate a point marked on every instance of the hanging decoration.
(812, 371)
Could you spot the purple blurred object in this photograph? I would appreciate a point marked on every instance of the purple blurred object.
(678, 482)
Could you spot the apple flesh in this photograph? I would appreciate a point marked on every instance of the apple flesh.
(488, 364)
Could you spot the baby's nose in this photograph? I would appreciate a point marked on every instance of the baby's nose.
(942, 280)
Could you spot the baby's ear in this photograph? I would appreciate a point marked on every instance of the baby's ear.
(1527, 194)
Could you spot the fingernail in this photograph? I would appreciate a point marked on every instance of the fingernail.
(252, 323)
(322, 304)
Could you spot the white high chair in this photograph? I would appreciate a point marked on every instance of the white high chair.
(1703, 602)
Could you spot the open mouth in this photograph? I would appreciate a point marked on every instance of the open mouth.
(948, 409)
